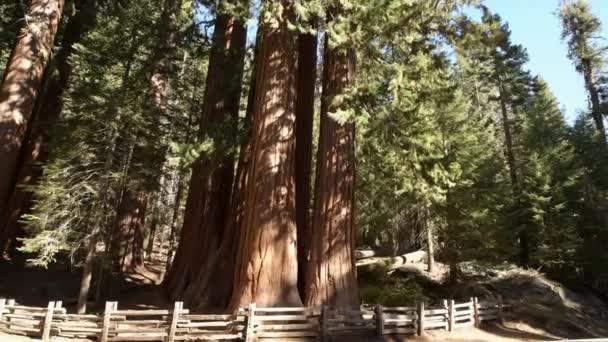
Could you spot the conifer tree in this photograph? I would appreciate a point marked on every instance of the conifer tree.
(266, 265)
(580, 29)
(208, 205)
(21, 85)
(34, 151)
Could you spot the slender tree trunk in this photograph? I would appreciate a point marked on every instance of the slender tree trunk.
(331, 273)
(266, 268)
(210, 189)
(596, 111)
(147, 153)
(104, 188)
(21, 84)
(430, 245)
(524, 246)
(174, 219)
(47, 110)
(305, 109)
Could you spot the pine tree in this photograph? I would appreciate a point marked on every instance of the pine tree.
(580, 29)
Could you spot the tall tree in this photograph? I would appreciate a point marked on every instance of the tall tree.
(208, 204)
(331, 273)
(148, 153)
(580, 29)
(21, 84)
(48, 107)
(266, 265)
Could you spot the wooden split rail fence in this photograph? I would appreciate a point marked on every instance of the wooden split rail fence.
(248, 324)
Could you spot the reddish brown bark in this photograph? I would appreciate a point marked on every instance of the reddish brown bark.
(266, 264)
(305, 108)
(21, 84)
(331, 273)
(129, 235)
(214, 286)
(208, 203)
(48, 107)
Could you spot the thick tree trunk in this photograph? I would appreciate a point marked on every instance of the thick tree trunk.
(266, 268)
(210, 190)
(216, 285)
(305, 109)
(331, 274)
(21, 84)
(129, 235)
(47, 110)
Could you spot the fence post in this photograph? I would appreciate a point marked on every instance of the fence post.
(324, 318)
(421, 319)
(499, 311)
(58, 304)
(46, 324)
(451, 315)
(177, 308)
(476, 311)
(2, 304)
(249, 330)
(11, 302)
(105, 324)
(379, 320)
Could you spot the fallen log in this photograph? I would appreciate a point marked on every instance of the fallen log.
(392, 263)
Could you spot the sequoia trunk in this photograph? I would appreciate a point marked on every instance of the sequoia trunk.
(47, 110)
(208, 204)
(331, 274)
(266, 265)
(20, 86)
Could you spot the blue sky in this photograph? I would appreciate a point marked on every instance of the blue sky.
(535, 26)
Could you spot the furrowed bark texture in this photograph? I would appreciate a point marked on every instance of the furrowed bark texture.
(305, 108)
(331, 274)
(217, 284)
(21, 84)
(266, 264)
(48, 107)
(129, 235)
(208, 205)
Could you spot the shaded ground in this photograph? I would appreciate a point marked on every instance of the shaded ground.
(36, 287)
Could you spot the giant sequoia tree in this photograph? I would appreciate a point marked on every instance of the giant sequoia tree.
(48, 108)
(208, 205)
(266, 265)
(331, 274)
(21, 84)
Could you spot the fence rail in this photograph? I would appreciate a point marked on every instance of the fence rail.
(247, 324)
